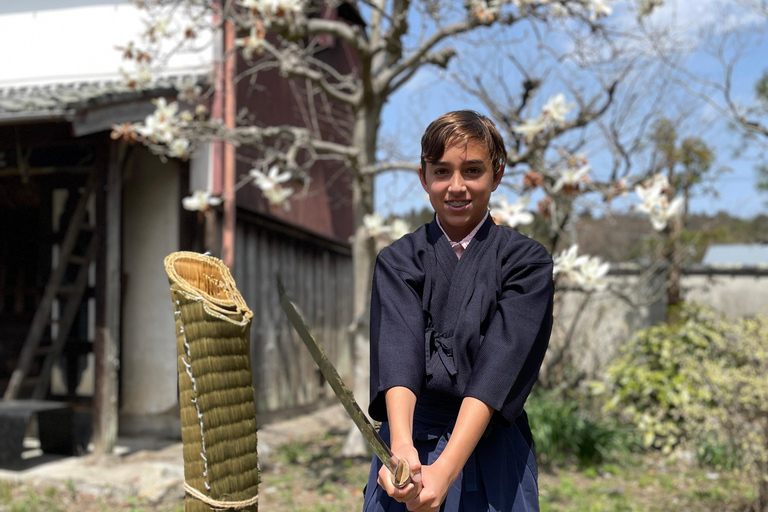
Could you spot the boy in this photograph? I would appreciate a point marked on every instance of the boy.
(461, 313)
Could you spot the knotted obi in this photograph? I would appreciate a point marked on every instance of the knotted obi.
(439, 351)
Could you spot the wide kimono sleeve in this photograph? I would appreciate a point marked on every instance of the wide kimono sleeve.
(397, 327)
(508, 361)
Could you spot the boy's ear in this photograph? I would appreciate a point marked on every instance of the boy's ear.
(497, 176)
(422, 179)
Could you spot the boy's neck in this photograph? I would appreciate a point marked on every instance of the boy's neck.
(466, 238)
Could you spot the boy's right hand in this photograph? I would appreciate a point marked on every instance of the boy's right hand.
(410, 491)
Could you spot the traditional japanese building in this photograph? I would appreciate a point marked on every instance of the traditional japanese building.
(86, 220)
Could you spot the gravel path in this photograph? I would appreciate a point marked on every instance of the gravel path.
(152, 469)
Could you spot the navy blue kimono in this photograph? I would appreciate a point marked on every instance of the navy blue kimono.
(449, 328)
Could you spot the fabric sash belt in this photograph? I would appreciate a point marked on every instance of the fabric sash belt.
(439, 347)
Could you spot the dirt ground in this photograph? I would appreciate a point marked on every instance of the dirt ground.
(302, 471)
(144, 474)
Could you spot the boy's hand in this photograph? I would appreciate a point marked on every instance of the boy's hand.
(410, 491)
(436, 480)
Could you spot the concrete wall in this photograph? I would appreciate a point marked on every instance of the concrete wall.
(150, 232)
(734, 295)
(638, 302)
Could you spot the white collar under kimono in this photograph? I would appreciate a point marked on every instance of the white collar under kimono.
(460, 246)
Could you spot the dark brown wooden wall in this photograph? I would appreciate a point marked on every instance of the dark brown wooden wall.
(318, 276)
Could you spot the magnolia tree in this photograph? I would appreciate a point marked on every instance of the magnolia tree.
(397, 39)
(549, 139)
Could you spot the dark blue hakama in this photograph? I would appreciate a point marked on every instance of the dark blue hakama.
(500, 476)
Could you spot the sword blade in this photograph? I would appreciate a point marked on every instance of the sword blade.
(398, 468)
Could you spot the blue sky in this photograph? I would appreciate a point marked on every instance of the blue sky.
(432, 93)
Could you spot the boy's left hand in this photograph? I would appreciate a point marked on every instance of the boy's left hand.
(436, 481)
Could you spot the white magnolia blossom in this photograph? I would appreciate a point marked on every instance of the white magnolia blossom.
(568, 261)
(162, 124)
(374, 224)
(585, 271)
(398, 229)
(570, 176)
(270, 185)
(665, 211)
(139, 79)
(531, 127)
(649, 197)
(179, 148)
(591, 274)
(558, 10)
(512, 214)
(596, 8)
(384, 233)
(272, 179)
(158, 28)
(599, 9)
(278, 196)
(552, 114)
(200, 201)
(251, 44)
(555, 108)
(189, 90)
(187, 116)
(270, 8)
(656, 204)
(526, 3)
(622, 186)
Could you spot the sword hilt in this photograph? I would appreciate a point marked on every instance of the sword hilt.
(402, 475)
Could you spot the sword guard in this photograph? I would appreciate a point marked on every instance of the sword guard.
(402, 475)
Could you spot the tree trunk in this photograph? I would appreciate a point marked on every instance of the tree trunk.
(363, 257)
(673, 257)
(674, 271)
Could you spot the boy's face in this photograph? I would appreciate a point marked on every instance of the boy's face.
(460, 185)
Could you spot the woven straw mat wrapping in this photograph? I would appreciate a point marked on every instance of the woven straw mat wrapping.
(218, 419)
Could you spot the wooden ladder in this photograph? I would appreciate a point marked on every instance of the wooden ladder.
(72, 293)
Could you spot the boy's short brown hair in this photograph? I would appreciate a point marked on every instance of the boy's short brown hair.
(462, 126)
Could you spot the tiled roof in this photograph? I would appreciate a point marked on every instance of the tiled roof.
(58, 100)
(736, 254)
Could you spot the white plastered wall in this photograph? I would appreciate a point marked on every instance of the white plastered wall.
(71, 41)
(150, 232)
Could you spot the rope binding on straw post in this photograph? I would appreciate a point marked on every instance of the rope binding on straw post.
(236, 505)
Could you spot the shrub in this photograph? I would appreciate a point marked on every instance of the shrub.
(656, 375)
(565, 432)
(701, 384)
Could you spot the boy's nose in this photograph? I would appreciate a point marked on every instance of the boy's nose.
(457, 185)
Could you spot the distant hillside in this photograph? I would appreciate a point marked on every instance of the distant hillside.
(627, 237)
(630, 237)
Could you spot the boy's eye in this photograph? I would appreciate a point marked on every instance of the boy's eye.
(440, 171)
(474, 170)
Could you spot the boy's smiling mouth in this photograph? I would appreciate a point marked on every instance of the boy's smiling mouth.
(458, 204)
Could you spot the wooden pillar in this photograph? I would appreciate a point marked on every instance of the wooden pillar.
(230, 104)
(108, 303)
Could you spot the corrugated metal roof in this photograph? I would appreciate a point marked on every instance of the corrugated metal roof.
(736, 254)
(58, 100)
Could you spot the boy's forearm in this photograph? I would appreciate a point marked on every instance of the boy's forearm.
(400, 405)
(474, 416)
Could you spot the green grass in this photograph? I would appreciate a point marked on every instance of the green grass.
(644, 485)
(313, 477)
